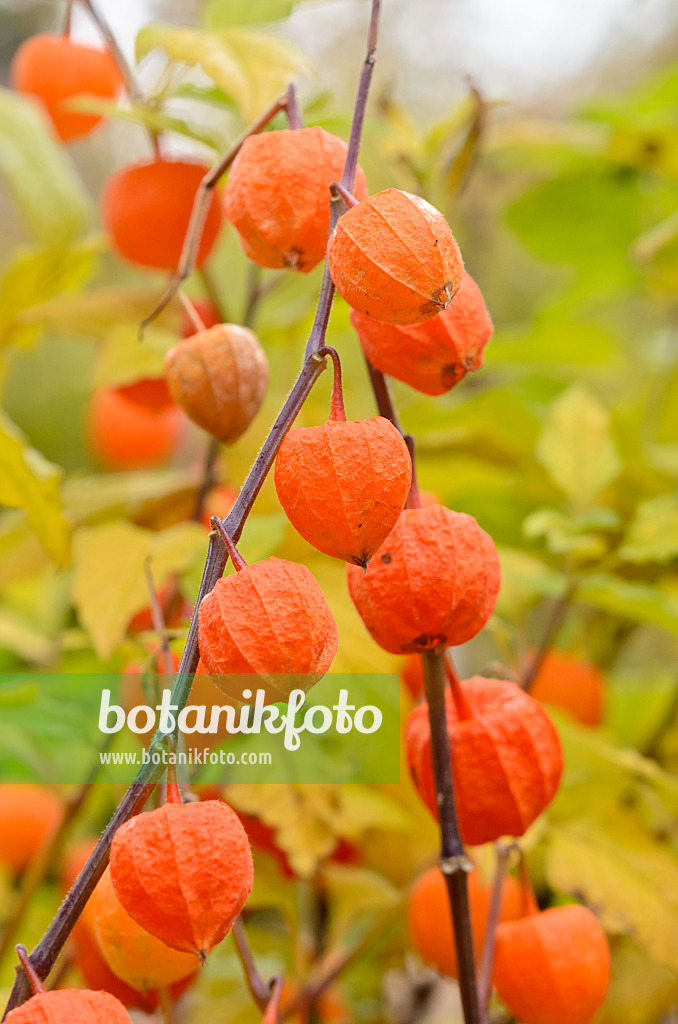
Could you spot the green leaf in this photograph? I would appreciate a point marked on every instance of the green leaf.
(39, 173)
(562, 534)
(525, 580)
(629, 879)
(588, 217)
(641, 990)
(639, 602)
(30, 482)
(251, 67)
(576, 445)
(356, 895)
(653, 534)
(150, 117)
(34, 276)
(109, 583)
(95, 312)
(222, 13)
(123, 358)
(123, 494)
(262, 536)
(599, 770)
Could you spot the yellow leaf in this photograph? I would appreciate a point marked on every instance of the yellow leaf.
(30, 482)
(251, 67)
(302, 817)
(641, 991)
(109, 583)
(355, 894)
(123, 358)
(576, 445)
(628, 879)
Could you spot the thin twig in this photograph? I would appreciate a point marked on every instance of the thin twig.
(555, 621)
(196, 224)
(334, 964)
(257, 291)
(292, 109)
(157, 618)
(133, 91)
(319, 329)
(453, 860)
(487, 957)
(651, 747)
(52, 942)
(382, 395)
(207, 480)
(191, 312)
(259, 989)
(128, 78)
(214, 296)
(68, 18)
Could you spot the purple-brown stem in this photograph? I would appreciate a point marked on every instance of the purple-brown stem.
(292, 109)
(46, 952)
(319, 329)
(487, 957)
(259, 989)
(201, 204)
(555, 621)
(454, 863)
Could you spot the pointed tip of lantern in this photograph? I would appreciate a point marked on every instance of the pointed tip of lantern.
(202, 956)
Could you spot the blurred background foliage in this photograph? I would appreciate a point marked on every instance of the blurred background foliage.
(564, 447)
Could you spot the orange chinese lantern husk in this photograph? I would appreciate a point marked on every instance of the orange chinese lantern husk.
(344, 484)
(506, 758)
(433, 582)
(552, 967)
(28, 817)
(131, 952)
(56, 70)
(270, 619)
(70, 1006)
(278, 195)
(146, 208)
(183, 872)
(435, 355)
(219, 377)
(572, 684)
(393, 258)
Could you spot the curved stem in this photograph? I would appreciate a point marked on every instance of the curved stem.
(258, 988)
(337, 409)
(239, 562)
(36, 983)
